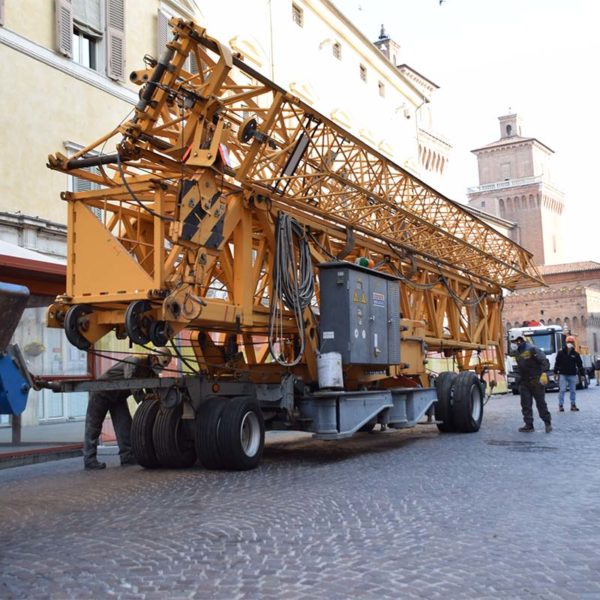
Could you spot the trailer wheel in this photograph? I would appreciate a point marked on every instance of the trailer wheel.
(443, 406)
(242, 434)
(208, 422)
(173, 445)
(141, 433)
(467, 409)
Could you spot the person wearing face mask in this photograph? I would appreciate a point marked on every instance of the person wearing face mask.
(115, 402)
(533, 365)
(567, 366)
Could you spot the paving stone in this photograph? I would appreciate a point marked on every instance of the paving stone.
(410, 514)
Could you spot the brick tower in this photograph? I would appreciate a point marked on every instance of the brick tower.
(515, 183)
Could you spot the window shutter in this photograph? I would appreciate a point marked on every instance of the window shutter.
(64, 27)
(162, 33)
(115, 39)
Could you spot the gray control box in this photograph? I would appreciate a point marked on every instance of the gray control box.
(360, 314)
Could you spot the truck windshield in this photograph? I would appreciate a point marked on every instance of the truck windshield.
(545, 341)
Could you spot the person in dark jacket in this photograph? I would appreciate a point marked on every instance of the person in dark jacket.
(115, 403)
(597, 368)
(532, 363)
(567, 366)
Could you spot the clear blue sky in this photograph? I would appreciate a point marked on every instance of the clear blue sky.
(538, 57)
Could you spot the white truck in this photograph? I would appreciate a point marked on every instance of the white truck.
(550, 338)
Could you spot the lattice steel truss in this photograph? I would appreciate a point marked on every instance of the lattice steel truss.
(180, 231)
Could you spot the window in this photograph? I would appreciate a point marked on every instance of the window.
(363, 73)
(92, 33)
(84, 49)
(87, 32)
(337, 50)
(381, 87)
(298, 15)
(77, 184)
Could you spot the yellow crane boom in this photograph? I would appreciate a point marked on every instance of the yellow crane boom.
(215, 168)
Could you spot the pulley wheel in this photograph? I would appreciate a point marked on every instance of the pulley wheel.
(137, 324)
(160, 333)
(73, 326)
(247, 130)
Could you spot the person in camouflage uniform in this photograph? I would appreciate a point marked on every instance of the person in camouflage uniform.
(115, 403)
(533, 364)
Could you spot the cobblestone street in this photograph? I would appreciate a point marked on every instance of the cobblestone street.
(413, 514)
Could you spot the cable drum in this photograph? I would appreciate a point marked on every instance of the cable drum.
(293, 284)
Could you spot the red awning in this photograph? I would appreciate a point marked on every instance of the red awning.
(42, 274)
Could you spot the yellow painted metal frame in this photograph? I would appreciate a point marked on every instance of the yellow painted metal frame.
(245, 149)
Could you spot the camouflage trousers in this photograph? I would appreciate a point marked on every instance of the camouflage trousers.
(99, 406)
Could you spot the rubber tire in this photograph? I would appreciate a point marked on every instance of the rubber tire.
(208, 422)
(515, 390)
(230, 438)
(443, 406)
(173, 446)
(142, 426)
(467, 387)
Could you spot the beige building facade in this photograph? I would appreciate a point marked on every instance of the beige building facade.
(515, 183)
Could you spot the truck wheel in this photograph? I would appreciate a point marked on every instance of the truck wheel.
(515, 390)
(242, 434)
(208, 422)
(467, 409)
(443, 405)
(141, 433)
(173, 445)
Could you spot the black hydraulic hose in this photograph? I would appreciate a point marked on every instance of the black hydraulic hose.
(150, 86)
(93, 161)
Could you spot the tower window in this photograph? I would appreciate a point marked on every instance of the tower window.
(381, 87)
(298, 15)
(509, 130)
(337, 50)
(363, 73)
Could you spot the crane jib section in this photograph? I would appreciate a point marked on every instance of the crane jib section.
(187, 208)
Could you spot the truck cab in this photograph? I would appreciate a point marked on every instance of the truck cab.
(549, 338)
